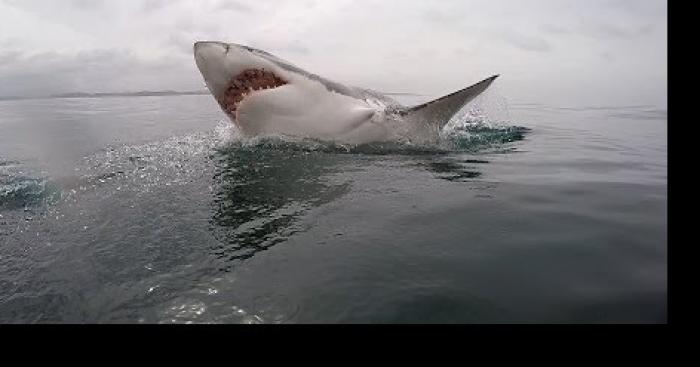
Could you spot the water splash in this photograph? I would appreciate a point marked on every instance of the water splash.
(483, 125)
(470, 135)
(181, 159)
(22, 187)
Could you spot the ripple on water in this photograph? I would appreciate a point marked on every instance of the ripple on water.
(253, 207)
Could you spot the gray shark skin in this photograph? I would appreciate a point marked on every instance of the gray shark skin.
(275, 97)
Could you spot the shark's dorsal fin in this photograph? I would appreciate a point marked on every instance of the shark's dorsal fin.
(440, 111)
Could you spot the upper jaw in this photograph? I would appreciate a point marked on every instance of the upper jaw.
(220, 62)
(210, 58)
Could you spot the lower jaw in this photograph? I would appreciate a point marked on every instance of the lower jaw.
(244, 129)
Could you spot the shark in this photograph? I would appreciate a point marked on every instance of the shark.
(263, 94)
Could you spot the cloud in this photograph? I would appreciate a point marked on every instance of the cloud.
(614, 31)
(527, 43)
(235, 6)
(555, 29)
(86, 5)
(440, 16)
(547, 50)
(154, 5)
(99, 70)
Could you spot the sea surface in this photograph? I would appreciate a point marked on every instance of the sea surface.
(154, 210)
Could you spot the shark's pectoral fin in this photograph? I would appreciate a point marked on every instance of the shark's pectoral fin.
(439, 111)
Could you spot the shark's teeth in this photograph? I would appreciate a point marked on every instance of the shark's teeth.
(248, 82)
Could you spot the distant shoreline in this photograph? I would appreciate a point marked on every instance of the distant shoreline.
(164, 93)
(109, 95)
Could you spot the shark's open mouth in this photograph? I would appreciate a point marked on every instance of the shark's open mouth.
(246, 82)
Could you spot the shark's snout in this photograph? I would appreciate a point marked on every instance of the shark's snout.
(233, 72)
(218, 64)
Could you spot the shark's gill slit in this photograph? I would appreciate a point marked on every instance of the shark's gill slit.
(246, 82)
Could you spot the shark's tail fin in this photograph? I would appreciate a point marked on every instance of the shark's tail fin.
(438, 112)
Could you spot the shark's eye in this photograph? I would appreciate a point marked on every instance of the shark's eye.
(246, 82)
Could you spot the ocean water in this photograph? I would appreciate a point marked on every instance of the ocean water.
(152, 210)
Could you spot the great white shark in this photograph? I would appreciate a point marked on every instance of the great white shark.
(265, 95)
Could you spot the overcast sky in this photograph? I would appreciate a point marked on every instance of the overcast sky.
(560, 52)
